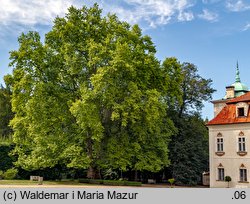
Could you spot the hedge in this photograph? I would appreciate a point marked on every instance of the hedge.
(110, 182)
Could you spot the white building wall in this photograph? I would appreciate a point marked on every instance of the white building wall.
(231, 161)
(218, 107)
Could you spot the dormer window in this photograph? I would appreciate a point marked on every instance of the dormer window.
(242, 109)
(241, 112)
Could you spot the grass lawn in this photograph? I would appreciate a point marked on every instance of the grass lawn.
(28, 182)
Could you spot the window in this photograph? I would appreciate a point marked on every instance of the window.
(243, 175)
(220, 174)
(242, 144)
(219, 144)
(241, 112)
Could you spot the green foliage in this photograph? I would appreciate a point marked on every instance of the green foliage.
(1, 174)
(195, 89)
(91, 96)
(110, 182)
(10, 174)
(189, 150)
(171, 181)
(172, 80)
(5, 112)
(228, 178)
(6, 160)
(109, 174)
(189, 146)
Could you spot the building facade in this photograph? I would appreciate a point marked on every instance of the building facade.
(229, 138)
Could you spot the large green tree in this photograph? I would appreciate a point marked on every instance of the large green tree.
(90, 96)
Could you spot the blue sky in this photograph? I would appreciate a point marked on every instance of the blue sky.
(212, 34)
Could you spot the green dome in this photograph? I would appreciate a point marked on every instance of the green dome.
(238, 86)
(239, 89)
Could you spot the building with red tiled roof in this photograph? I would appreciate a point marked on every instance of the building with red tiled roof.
(229, 137)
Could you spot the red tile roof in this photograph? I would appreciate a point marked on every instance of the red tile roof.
(245, 97)
(228, 114)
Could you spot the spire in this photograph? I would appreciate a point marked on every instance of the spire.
(237, 78)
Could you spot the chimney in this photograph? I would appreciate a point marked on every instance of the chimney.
(229, 92)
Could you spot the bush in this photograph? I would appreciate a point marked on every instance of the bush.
(10, 174)
(132, 183)
(171, 181)
(121, 183)
(110, 182)
(92, 181)
(84, 180)
(113, 183)
(110, 174)
(228, 178)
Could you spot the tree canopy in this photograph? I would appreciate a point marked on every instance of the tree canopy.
(195, 89)
(94, 96)
(91, 96)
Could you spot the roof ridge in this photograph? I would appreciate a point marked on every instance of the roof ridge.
(242, 98)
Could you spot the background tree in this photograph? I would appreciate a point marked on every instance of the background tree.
(5, 112)
(189, 150)
(90, 96)
(189, 147)
(195, 90)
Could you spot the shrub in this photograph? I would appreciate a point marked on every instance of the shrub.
(228, 179)
(113, 183)
(84, 180)
(110, 182)
(110, 174)
(10, 174)
(132, 183)
(121, 183)
(171, 181)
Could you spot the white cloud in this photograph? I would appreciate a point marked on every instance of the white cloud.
(186, 16)
(237, 6)
(40, 12)
(32, 12)
(210, 1)
(153, 12)
(246, 27)
(208, 15)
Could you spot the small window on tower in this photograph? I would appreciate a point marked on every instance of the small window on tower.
(241, 112)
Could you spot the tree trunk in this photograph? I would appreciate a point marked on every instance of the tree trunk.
(91, 173)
